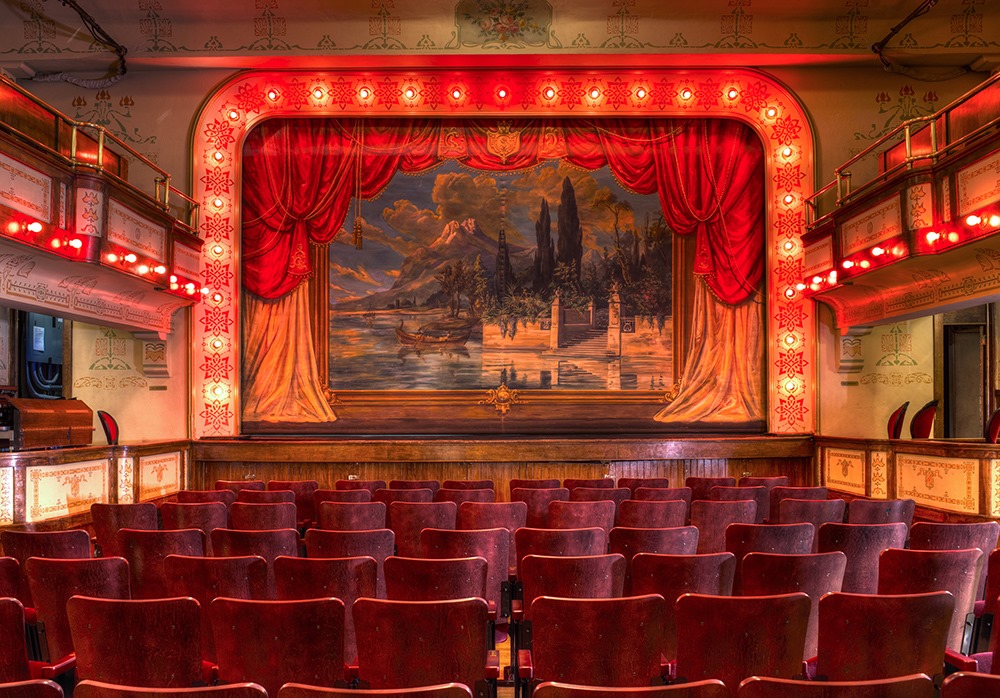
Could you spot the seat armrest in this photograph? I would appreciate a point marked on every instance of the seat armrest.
(525, 670)
(959, 662)
(50, 671)
(493, 664)
(809, 668)
(506, 593)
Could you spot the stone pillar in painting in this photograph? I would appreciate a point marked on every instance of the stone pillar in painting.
(555, 333)
(614, 323)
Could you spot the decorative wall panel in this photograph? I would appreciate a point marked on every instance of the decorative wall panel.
(878, 467)
(160, 475)
(6, 496)
(53, 491)
(25, 189)
(126, 480)
(943, 483)
(844, 470)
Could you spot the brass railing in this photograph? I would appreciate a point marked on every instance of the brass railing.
(945, 132)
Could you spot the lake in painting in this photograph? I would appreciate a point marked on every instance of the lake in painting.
(550, 278)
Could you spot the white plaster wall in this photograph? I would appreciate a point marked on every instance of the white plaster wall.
(111, 373)
(898, 365)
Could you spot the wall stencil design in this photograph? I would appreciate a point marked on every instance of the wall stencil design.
(110, 351)
(116, 119)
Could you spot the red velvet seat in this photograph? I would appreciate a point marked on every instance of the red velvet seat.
(964, 684)
(875, 511)
(21, 545)
(344, 578)
(432, 485)
(862, 543)
(701, 486)
(205, 516)
(468, 485)
(601, 494)
(814, 511)
(420, 579)
(274, 642)
(146, 551)
(532, 484)
(483, 515)
(370, 485)
(894, 425)
(566, 541)
(918, 571)
(10, 577)
(634, 483)
(13, 649)
(571, 577)
(695, 689)
(266, 497)
(629, 542)
(388, 496)
(226, 496)
(780, 492)
(442, 690)
(575, 514)
(303, 491)
(32, 688)
(875, 636)
(262, 517)
(207, 578)
(97, 689)
(991, 433)
(733, 637)
(149, 642)
(377, 544)
(660, 494)
(564, 648)
(712, 517)
(238, 485)
(770, 482)
(635, 513)
(786, 539)
(492, 545)
(986, 609)
(404, 644)
(925, 535)
(53, 582)
(537, 500)
(352, 516)
(758, 494)
(766, 574)
(341, 496)
(458, 496)
(911, 686)
(227, 542)
(571, 483)
(923, 421)
(671, 576)
(109, 518)
(408, 519)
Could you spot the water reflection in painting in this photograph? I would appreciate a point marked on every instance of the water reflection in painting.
(553, 278)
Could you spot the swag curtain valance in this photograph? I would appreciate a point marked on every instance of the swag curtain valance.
(300, 176)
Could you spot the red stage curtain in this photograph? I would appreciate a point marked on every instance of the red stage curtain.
(300, 176)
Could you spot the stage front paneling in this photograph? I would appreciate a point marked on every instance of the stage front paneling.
(500, 459)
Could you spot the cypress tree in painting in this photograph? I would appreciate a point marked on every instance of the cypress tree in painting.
(544, 252)
(569, 247)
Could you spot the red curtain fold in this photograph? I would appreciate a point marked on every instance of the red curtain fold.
(301, 174)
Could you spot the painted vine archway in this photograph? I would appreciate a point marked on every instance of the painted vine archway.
(752, 97)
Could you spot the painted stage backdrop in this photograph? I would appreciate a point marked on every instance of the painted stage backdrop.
(495, 262)
(549, 278)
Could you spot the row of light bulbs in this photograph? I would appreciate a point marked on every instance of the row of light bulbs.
(502, 93)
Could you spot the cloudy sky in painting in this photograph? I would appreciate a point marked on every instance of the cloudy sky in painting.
(412, 211)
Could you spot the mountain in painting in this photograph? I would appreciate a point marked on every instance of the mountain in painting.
(459, 240)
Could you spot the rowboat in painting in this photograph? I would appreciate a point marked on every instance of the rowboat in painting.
(425, 339)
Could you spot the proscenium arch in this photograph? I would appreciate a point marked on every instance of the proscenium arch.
(753, 97)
